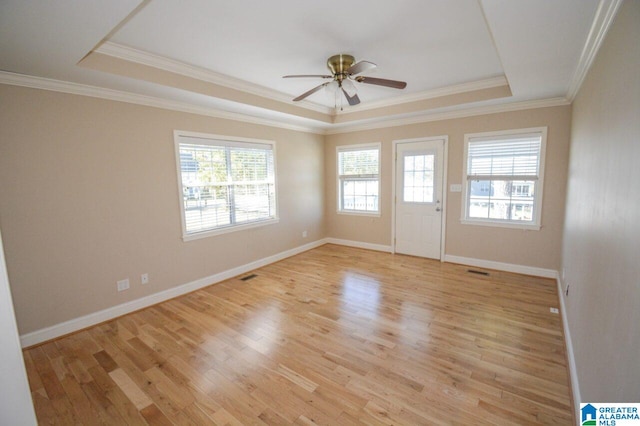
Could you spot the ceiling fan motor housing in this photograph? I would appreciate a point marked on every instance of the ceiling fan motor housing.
(339, 64)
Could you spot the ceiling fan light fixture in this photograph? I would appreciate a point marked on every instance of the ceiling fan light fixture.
(331, 88)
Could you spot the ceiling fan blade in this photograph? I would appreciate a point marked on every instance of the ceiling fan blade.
(361, 66)
(382, 82)
(307, 76)
(353, 100)
(310, 92)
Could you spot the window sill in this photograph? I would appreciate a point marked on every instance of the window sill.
(497, 224)
(228, 229)
(358, 213)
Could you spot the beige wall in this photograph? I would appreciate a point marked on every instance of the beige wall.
(88, 196)
(602, 232)
(539, 249)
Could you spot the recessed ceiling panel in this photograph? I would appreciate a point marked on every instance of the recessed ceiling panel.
(428, 44)
(454, 54)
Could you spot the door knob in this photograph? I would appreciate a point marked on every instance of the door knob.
(438, 209)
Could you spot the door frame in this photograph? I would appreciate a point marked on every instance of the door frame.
(443, 216)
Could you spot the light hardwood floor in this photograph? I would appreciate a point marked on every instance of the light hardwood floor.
(333, 336)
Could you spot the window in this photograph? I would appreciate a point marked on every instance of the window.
(225, 183)
(503, 178)
(359, 179)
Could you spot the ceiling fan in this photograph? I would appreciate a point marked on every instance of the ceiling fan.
(344, 70)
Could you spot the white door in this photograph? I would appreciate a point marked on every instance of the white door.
(418, 201)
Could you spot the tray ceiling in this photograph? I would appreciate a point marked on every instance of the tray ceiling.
(231, 56)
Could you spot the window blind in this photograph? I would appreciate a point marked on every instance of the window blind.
(512, 157)
(358, 162)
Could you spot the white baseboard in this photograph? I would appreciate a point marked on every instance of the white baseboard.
(80, 323)
(507, 267)
(573, 372)
(358, 244)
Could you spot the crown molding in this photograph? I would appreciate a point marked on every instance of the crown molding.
(430, 94)
(130, 54)
(22, 80)
(602, 21)
(448, 115)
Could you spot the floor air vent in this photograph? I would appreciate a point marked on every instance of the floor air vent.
(248, 277)
(474, 271)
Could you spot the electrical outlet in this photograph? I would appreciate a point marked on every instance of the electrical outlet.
(554, 310)
(123, 284)
(144, 278)
(304, 234)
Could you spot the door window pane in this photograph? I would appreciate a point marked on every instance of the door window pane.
(418, 178)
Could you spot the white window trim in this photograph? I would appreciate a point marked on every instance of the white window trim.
(537, 206)
(358, 147)
(177, 134)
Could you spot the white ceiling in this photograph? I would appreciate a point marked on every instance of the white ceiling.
(428, 44)
(433, 45)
